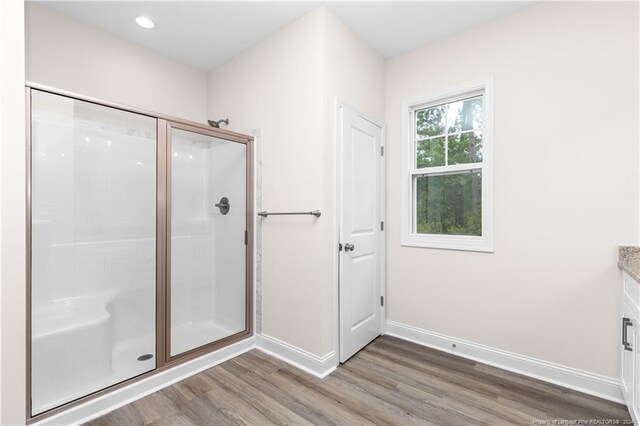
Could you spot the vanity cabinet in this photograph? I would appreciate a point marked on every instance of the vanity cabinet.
(630, 344)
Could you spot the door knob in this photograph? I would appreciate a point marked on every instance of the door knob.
(349, 247)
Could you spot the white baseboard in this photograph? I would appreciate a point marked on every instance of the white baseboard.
(312, 364)
(123, 396)
(579, 380)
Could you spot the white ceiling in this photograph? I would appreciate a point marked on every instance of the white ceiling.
(206, 34)
(393, 27)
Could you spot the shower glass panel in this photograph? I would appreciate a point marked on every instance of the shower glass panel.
(93, 248)
(207, 237)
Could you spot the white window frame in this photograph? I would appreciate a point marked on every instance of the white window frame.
(483, 243)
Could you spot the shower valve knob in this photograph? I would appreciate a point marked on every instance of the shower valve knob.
(223, 205)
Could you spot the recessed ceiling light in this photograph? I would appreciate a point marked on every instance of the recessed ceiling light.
(145, 22)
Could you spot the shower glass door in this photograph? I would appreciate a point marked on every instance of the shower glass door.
(93, 248)
(208, 223)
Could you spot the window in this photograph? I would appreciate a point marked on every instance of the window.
(447, 173)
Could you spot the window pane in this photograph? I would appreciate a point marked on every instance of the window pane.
(431, 122)
(430, 153)
(449, 204)
(465, 115)
(465, 148)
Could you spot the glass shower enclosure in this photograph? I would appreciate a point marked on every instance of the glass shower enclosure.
(139, 245)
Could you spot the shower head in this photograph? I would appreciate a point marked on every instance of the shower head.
(216, 124)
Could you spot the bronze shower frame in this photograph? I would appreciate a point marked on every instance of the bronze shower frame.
(164, 360)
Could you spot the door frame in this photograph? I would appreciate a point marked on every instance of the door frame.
(337, 161)
(163, 360)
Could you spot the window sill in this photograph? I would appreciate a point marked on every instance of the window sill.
(448, 242)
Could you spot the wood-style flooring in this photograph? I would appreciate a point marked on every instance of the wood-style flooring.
(390, 382)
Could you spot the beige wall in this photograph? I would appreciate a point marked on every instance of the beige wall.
(355, 74)
(12, 214)
(287, 85)
(276, 86)
(566, 185)
(64, 53)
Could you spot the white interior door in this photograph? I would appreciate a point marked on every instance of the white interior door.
(360, 144)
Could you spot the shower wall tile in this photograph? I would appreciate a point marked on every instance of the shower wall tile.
(258, 228)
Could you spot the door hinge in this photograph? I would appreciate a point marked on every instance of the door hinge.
(381, 151)
(246, 238)
(382, 225)
(381, 300)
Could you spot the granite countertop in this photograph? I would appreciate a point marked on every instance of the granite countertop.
(629, 260)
